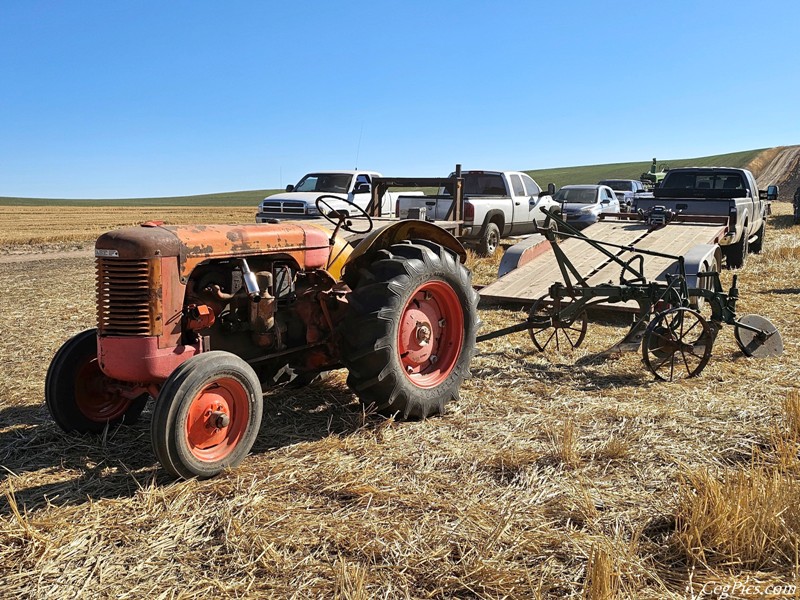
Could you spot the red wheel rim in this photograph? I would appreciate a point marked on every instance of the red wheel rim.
(92, 395)
(430, 335)
(217, 419)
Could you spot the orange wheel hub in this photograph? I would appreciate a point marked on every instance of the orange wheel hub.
(92, 395)
(217, 419)
(430, 335)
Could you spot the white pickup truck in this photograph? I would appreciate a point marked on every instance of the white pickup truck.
(721, 191)
(496, 204)
(299, 201)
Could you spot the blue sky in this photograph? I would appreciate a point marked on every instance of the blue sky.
(140, 98)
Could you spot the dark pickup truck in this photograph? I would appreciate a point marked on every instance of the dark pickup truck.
(718, 191)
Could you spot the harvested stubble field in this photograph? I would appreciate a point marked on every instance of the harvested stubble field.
(37, 228)
(552, 476)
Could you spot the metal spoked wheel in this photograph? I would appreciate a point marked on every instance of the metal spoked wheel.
(553, 325)
(677, 344)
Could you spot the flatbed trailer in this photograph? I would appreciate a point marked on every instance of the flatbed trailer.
(529, 268)
(674, 337)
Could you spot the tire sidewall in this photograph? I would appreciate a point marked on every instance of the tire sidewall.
(736, 255)
(60, 383)
(443, 391)
(172, 408)
(370, 333)
(491, 236)
(60, 387)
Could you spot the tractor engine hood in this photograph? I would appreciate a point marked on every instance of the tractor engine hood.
(193, 244)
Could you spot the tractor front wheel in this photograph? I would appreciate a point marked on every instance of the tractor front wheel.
(207, 415)
(79, 396)
(411, 332)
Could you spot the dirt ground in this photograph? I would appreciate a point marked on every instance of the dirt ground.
(783, 170)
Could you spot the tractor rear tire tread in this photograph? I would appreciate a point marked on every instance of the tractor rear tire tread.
(369, 335)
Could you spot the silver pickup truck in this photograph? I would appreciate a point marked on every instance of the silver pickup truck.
(496, 204)
(718, 191)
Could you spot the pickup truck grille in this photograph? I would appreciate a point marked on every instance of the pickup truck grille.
(284, 207)
(126, 304)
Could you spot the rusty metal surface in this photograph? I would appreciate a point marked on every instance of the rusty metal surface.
(137, 243)
(339, 254)
(307, 245)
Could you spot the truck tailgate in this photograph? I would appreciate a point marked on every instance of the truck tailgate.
(436, 208)
(688, 206)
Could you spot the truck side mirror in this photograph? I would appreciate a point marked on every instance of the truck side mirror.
(551, 189)
(361, 187)
(772, 192)
(290, 188)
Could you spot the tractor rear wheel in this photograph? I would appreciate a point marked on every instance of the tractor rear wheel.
(207, 415)
(79, 396)
(410, 335)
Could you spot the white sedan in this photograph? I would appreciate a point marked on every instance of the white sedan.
(581, 205)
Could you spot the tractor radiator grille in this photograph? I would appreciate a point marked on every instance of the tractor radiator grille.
(126, 304)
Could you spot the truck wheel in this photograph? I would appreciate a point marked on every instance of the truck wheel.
(736, 254)
(490, 240)
(78, 394)
(207, 415)
(410, 334)
(758, 245)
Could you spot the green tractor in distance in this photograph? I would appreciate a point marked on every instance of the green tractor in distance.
(654, 176)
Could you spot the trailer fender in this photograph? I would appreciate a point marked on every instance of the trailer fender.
(698, 259)
(522, 253)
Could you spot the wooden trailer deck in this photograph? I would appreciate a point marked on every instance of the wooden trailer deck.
(538, 270)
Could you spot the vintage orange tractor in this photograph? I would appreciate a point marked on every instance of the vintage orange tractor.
(202, 318)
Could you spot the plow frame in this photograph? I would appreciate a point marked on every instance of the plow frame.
(658, 302)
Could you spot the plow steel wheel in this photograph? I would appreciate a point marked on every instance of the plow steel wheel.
(759, 345)
(551, 329)
(677, 344)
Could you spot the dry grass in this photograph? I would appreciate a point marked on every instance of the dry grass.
(553, 476)
(743, 518)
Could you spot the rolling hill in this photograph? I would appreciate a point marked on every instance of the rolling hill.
(756, 160)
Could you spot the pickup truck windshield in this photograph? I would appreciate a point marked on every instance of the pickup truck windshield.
(576, 196)
(324, 182)
(703, 181)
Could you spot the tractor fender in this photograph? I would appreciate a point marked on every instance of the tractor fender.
(384, 237)
(698, 259)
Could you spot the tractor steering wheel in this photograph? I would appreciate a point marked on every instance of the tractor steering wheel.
(341, 219)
